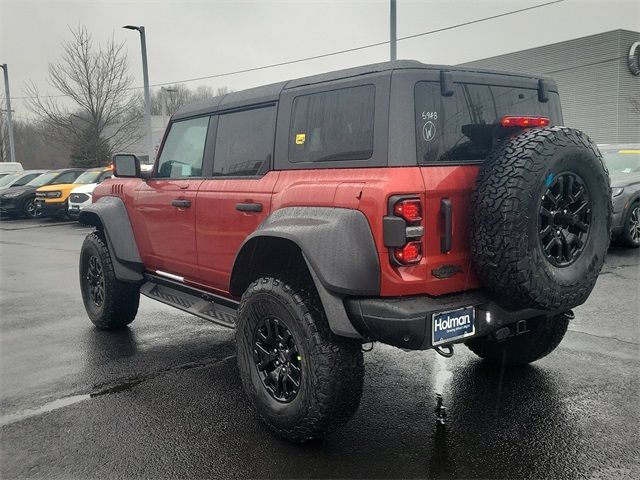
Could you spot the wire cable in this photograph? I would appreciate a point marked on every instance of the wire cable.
(330, 54)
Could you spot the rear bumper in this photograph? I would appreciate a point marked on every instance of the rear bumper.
(405, 322)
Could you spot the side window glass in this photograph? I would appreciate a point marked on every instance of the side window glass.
(26, 179)
(183, 149)
(332, 126)
(244, 142)
(104, 176)
(68, 177)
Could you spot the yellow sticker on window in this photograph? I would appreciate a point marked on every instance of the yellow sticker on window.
(300, 138)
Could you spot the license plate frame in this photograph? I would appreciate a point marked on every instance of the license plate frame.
(451, 327)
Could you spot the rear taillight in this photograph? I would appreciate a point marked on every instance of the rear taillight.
(410, 210)
(410, 254)
(524, 122)
(403, 230)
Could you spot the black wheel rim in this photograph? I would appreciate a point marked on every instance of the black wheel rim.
(95, 280)
(31, 208)
(565, 218)
(277, 359)
(634, 224)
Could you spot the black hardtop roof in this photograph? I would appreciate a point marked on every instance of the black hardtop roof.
(271, 93)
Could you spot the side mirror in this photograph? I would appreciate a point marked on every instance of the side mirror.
(126, 165)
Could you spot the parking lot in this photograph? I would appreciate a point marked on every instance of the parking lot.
(163, 399)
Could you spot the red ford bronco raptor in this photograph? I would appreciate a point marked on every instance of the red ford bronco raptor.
(414, 205)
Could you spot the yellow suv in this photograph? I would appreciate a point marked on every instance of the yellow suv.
(51, 200)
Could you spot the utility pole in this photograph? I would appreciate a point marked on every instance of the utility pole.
(392, 30)
(12, 148)
(145, 77)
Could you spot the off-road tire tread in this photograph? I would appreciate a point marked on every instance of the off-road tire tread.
(337, 366)
(122, 298)
(523, 349)
(498, 243)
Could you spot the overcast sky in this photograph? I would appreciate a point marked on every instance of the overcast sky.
(188, 38)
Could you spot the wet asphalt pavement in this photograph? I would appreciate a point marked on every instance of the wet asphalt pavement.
(163, 399)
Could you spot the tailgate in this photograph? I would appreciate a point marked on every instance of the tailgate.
(446, 248)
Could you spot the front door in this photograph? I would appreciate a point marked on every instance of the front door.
(166, 204)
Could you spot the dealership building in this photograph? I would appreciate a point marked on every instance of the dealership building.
(598, 79)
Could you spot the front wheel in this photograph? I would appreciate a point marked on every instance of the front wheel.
(543, 335)
(109, 302)
(31, 210)
(301, 378)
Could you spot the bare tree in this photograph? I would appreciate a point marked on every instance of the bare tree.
(172, 97)
(105, 114)
(178, 95)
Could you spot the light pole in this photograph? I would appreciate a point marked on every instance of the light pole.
(12, 148)
(145, 77)
(165, 107)
(392, 30)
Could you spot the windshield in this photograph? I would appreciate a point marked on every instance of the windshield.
(43, 179)
(90, 176)
(9, 179)
(622, 161)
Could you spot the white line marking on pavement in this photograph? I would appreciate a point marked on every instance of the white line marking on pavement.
(47, 407)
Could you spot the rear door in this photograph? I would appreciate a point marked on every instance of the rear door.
(165, 205)
(237, 198)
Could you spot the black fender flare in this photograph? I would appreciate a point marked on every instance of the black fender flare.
(338, 248)
(109, 215)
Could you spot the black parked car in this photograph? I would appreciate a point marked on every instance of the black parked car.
(20, 201)
(623, 162)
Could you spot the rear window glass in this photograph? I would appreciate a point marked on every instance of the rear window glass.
(244, 142)
(622, 160)
(459, 127)
(333, 126)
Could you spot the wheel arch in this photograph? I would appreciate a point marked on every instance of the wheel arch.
(320, 240)
(109, 215)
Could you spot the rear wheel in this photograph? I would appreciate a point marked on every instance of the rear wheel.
(630, 235)
(301, 378)
(109, 302)
(543, 335)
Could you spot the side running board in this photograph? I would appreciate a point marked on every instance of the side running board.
(191, 300)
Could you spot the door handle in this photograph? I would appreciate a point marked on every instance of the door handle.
(249, 207)
(181, 203)
(445, 240)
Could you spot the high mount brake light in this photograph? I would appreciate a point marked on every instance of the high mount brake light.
(525, 121)
(409, 209)
(409, 254)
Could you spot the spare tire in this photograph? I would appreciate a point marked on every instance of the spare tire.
(541, 219)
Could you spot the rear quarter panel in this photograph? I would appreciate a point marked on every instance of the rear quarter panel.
(368, 190)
